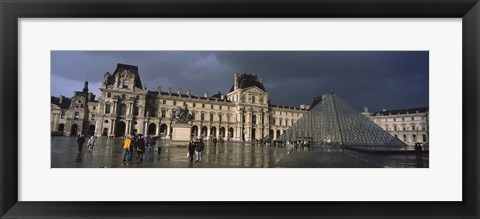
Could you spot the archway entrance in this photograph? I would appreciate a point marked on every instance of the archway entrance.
(213, 131)
(163, 130)
(204, 131)
(194, 131)
(120, 129)
(74, 130)
(230, 132)
(91, 130)
(270, 134)
(222, 132)
(278, 134)
(253, 133)
(152, 128)
(61, 127)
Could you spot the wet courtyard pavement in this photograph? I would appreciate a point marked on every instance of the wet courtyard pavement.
(108, 153)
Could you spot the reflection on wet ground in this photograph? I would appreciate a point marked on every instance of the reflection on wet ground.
(108, 154)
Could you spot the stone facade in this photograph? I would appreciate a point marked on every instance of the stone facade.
(72, 116)
(126, 107)
(409, 125)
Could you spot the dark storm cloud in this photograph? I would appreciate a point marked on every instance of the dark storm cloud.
(390, 80)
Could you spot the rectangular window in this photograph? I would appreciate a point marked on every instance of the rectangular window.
(193, 115)
(107, 108)
(93, 117)
(211, 116)
(413, 128)
(220, 118)
(174, 102)
(202, 116)
(193, 104)
(137, 109)
(63, 114)
(220, 107)
(76, 115)
(211, 106)
(203, 105)
(424, 138)
(164, 102)
(163, 113)
(109, 95)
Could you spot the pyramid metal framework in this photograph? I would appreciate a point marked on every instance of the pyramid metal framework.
(334, 122)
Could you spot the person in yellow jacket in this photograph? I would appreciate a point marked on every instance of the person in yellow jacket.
(126, 147)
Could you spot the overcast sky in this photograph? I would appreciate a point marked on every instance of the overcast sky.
(377, 79)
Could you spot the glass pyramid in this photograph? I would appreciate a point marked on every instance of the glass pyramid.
(332, 121)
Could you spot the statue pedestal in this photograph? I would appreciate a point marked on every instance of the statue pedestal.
(181, 132)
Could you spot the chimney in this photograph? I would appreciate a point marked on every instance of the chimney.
(179, 92)
(235, 82)
(260, 80)
(89, 97)
(307, 107)
(383, 110)
(302, 106)
(365, 109)
(205, 94)
(159, 89)
(188, 92)
(170, 91)
(61, 99)
(222, 97)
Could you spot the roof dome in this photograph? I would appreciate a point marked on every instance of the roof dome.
(248, 80)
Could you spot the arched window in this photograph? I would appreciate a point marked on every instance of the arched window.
(125, 84)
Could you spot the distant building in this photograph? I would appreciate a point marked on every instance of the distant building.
(125, 106)
(409, 125)
(74, 115)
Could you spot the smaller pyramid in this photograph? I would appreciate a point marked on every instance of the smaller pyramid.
(332, 121)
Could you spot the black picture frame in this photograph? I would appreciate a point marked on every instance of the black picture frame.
(11, 11)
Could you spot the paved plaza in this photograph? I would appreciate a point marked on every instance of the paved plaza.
(108, 153)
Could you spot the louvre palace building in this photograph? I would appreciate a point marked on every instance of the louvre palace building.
(127, 107)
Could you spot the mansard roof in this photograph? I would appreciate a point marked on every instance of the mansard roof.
(131, 68)
(402, 111)
(248, 80)
(65, 104)
(185, 96)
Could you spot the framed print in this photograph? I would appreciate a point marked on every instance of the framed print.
(239, 109)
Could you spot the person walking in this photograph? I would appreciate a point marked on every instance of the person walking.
(198, 151)
(191, 149)
(80, 142)
(126, 147)
(140, 144)
(91, 143)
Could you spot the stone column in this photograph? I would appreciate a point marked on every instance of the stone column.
(158, 129)
(130, 112)
(114, 110)
(113, 127)
(129, 127)
(168, 130)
